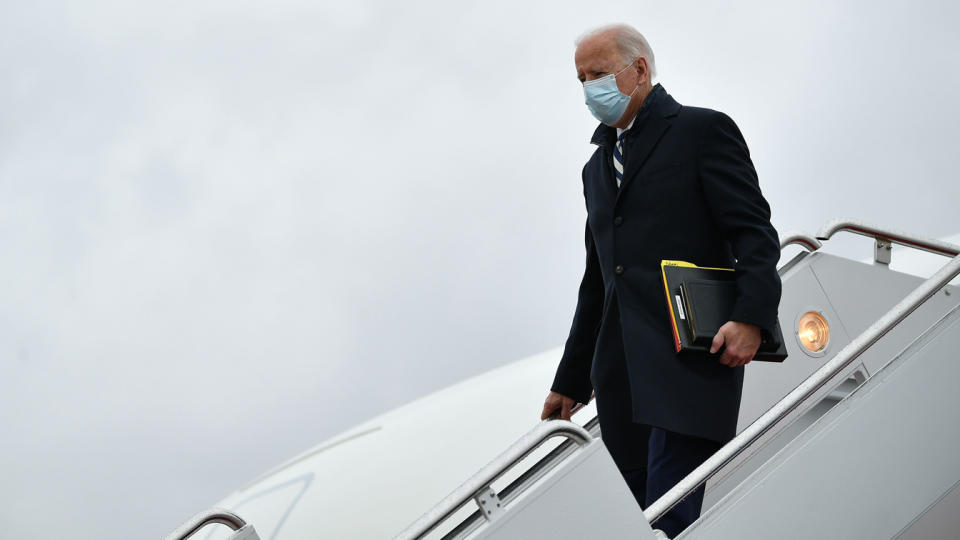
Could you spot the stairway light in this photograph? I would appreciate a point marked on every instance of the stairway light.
(813, 331)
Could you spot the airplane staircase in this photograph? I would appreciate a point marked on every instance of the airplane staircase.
(859, 439)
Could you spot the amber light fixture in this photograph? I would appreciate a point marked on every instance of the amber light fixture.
(813, 331)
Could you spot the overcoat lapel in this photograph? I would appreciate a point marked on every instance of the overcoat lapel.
(641, 144)
(604, 137)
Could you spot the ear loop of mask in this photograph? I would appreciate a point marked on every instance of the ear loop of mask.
(638, 78)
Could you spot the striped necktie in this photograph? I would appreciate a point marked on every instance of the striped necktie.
(618, 159)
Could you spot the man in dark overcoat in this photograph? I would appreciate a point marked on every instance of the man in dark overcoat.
(666, 181)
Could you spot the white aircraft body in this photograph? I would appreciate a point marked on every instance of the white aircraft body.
(859, 439)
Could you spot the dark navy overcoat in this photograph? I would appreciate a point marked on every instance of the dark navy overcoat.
(689, 192)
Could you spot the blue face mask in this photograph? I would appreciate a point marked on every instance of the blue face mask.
(604, 99)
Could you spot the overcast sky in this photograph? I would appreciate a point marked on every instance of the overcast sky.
(233, 229)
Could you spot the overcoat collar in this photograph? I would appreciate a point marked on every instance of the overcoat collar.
(641, 138)
(659, 105)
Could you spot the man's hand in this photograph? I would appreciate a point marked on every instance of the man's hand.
(742, 340)
(556, 401)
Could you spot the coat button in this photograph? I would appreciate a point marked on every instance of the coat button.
(618, 269)
(617, 220)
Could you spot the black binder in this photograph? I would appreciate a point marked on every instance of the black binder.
(700, 300)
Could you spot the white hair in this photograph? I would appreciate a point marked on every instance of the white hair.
(630, 42)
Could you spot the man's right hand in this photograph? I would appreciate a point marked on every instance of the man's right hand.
(556, 401)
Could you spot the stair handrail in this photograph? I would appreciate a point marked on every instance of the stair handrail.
(804, 391)
(207, 517)
(482, 479)
(932, 245)
(808, 242)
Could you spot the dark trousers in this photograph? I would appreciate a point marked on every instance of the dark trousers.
(651, 459)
